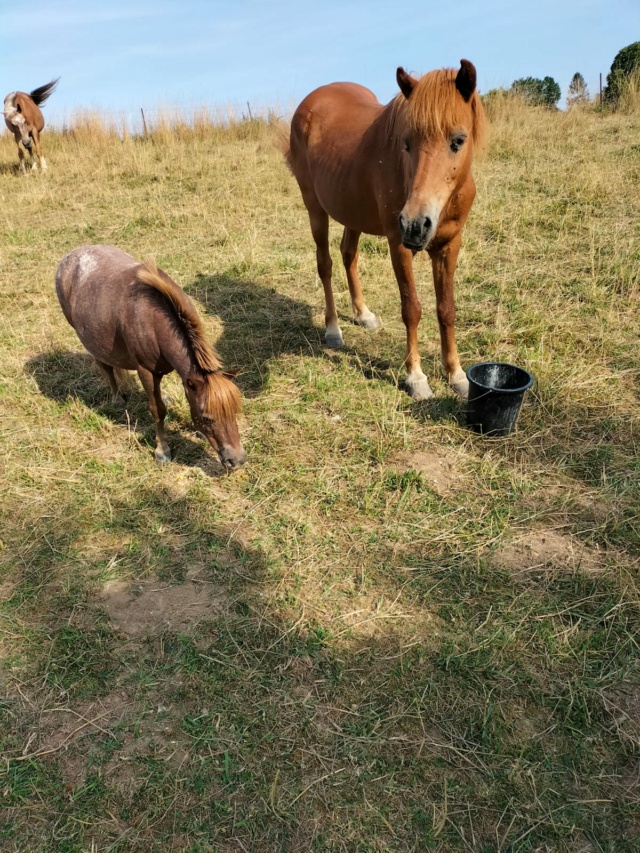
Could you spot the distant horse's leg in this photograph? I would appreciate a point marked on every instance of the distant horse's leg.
(108, 372)
(416, 383)
(349, 248)
(319, 221)
(21, 153)
(21, 160)
(151, 384)
(38, 151)
(444, 266)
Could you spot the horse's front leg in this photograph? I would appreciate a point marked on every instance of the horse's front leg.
(444, 262)
(416, 383)
(38, 152)
(151, 384)
(21, 156)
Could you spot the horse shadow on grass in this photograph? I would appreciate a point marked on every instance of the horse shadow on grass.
(63, 375)
(261, 324)
(10, 169)
(199, 670)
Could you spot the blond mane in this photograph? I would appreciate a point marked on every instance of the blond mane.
(435, 108)
(222, 397)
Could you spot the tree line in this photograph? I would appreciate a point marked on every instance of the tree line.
(546, 92)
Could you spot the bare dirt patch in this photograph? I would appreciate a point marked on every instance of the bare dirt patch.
(540, 549)
(60, 726)
(151, 606)
(440, 471)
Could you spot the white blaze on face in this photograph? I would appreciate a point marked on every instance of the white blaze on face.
(12, 117)
(9, 108)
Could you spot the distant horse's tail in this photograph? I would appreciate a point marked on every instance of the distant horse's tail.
(40, 95)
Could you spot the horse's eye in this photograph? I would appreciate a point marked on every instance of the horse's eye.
(457, 142)
(406, 146)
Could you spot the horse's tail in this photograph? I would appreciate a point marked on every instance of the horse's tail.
(283, 141)
(40, 95)
(149, 274)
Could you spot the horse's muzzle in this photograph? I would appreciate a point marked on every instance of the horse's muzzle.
(415, 233)
(27, 144)
(232, 459)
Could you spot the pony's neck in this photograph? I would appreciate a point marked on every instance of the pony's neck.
(175, 347)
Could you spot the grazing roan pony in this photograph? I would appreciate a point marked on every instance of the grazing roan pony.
(132, 316)
(23, 117)
(402, 171)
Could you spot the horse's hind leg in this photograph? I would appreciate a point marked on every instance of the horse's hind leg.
(151, 384)
(349, 249)
(319, 221)
(110, 375)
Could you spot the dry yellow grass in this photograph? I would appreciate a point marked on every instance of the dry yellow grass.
(387, 633)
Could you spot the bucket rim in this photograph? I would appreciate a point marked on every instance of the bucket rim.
(519, 390)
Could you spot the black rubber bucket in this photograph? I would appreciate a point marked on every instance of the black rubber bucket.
(496, 391)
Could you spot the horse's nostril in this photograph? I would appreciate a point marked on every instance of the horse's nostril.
(427, 224)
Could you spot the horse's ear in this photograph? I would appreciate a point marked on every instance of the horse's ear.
(405, 81)
(466, 79)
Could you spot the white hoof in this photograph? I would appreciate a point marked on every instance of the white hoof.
(162, 458)
(460, 384)
(418, 389)
(367, 320)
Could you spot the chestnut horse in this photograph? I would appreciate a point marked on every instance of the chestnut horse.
(132, 316)
(402, 171)
(23, 117)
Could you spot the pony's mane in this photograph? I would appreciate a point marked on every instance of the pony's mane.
(222, 395)
(40, 95)
(183, 308)
(435, 107)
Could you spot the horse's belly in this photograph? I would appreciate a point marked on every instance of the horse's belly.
(353, 208)
(103, 343)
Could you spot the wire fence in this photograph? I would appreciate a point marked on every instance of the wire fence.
(140, 121)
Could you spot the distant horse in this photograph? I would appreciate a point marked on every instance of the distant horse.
(23, 117)
(132, 316)
(402, 171)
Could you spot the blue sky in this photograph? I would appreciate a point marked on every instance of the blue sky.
(120, 55)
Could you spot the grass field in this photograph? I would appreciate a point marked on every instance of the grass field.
(385, 633)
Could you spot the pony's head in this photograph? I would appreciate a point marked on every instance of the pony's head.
(214, 400)
(438, 122)
(213, 397)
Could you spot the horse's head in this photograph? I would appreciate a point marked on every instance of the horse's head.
(439, 121)
(214, 400)
(16, 122)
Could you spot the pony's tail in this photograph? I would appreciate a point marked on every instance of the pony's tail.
(40, 95)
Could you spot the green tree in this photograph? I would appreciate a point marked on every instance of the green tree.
(537, 92)
(578, 93)
(625, 63)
